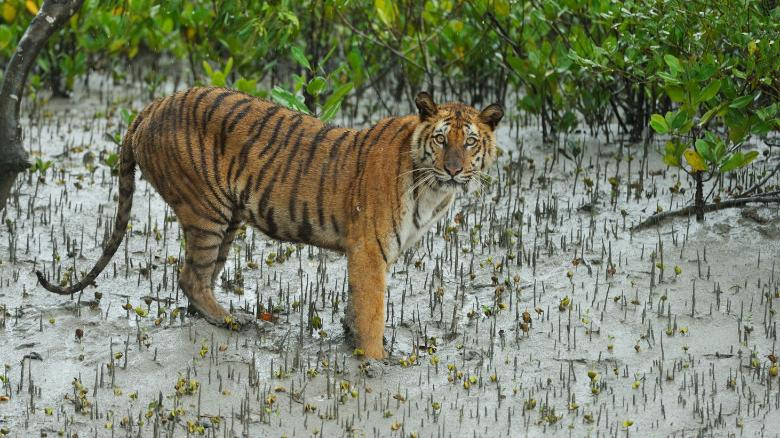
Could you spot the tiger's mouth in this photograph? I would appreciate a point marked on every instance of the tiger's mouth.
(453, 184)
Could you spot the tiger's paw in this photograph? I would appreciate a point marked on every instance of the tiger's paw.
(351, 339)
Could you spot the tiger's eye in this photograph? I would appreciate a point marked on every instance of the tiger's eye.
(471, 141)
(439, 138)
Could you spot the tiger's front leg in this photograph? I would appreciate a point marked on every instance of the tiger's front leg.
(366, 308)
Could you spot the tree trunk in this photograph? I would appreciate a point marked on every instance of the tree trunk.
(699, 199)
(51, 16)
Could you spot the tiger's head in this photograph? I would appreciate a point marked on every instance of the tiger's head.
(454, 143)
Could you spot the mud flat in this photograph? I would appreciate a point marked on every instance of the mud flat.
(661, 332)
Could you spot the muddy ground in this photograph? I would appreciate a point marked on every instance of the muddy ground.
(660, 332)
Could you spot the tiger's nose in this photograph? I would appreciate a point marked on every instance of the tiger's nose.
(453, 168)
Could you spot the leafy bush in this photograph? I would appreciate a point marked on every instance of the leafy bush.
(703, 73)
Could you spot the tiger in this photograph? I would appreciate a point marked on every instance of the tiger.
(221, 158)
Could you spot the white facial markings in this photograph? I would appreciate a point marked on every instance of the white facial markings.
(441, 130)
(471, 135)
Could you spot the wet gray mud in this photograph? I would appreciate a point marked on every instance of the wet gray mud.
(530, 309)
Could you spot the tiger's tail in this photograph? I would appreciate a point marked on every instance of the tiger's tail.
(126, 189)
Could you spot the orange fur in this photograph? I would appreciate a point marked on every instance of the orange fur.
(220, 158)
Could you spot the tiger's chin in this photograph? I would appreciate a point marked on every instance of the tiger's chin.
(455, 186)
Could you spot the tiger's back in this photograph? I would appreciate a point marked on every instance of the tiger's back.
(214, 153)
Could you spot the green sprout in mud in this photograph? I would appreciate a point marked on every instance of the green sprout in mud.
(80, 400)
(66, 276)
(346, 391)
(549, 416)
(232, 323)
(564, 304)
(449, 231)
(40, 167)
(273, 258)
(186, 386)
(281, 374)
(408, 361)
(112, 161)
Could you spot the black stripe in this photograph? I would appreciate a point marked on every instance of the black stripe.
(325, 167)
(213, 107)
(245, 193)
(321, 134)
(382, 250)
(271, 160)
(305, 231)
(293, 154)
(360, 165)
(201, 265)
(272, 227)
(240, 116)
(335, 224)
(205, 172)
(204, 247)
(362, 149)
(190, 184)
(229, 178)
(193, 110)
(233, 225)
(184, 103)
(258, 128)
(264, 198)
(339, 152)
(217, 173)
(203, 165)
(202, 231)
(356, 183)
(395, 206)
(223, 129)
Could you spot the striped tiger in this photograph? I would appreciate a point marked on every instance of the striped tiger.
(221, 158)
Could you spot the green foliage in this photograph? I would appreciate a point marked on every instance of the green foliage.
(684, 68)
(112, 160)
(40, 166)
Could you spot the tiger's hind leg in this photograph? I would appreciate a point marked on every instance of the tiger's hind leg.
(203, 242)
(224, 247)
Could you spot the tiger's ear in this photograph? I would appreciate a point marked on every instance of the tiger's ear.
(425, 105)
(491, 115)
